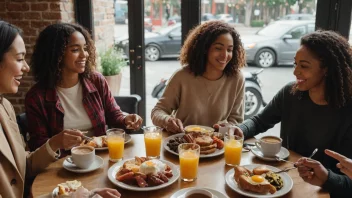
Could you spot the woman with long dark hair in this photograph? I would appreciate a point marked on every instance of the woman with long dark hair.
(17, 165)
(315, 111)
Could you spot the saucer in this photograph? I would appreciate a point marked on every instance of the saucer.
(283, 154)
(98, 162)
(181, 193)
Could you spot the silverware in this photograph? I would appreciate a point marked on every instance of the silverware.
(315, 151)
(87, 138)
(282, 160)
(285, 169)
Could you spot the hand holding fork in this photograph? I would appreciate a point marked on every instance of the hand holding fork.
(312, 171)
(294, 164)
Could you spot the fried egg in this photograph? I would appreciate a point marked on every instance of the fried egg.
(257, 179)
(197, 129)
(152, 167)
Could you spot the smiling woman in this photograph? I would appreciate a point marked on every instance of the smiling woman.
(210, 87)
(13, 155)
(12, 63)
(316, 110)
(69, 95)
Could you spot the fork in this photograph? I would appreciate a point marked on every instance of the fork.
(285, 169)
(315, 151)
(87, 138)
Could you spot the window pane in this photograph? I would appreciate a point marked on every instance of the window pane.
(270, 32)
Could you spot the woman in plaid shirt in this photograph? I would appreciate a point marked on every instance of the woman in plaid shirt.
(69, 94)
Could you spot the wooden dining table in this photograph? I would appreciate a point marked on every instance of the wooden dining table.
(211, 174)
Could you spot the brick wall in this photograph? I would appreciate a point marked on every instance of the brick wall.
(104, 22)
(33, 15)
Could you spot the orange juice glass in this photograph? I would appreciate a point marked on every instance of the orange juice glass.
(116, 144)
(189, 160)
(152, 141)
(233, 149)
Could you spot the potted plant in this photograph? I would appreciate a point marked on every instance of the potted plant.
(111, 64)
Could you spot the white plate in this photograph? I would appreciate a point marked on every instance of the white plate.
(204, 127)
(98, 162)
(128, 139)
(55, 192)
(287, 180)
(166, 147)
(283, 154)
(115, 168)
(180, 193)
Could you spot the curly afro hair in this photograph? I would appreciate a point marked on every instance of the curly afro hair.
(335, 54)
(199, 41)
(49, 51)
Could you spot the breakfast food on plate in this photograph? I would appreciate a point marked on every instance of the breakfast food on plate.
(144, 172)
(97, 142)
(208, 143)
(261, 180)
(67, 188)
(198, 129)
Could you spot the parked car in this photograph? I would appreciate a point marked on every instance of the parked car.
(276, 43)
(253, 93)
(298, 17)
(208, 17)
(227, 18)
(164, 43)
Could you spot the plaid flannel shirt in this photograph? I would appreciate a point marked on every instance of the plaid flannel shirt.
(45, 115)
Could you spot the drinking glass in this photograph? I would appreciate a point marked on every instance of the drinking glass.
(233, 149)
(116, 143)
(189, 160)
(152, 141)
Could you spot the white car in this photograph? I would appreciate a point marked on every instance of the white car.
(225, 18)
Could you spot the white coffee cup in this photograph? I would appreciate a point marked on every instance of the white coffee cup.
(82, 156)
(199, 193)
(269, 145)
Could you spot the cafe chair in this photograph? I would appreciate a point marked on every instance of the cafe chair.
(128, 104)
(23, 126)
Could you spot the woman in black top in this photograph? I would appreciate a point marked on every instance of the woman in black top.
(315, 111)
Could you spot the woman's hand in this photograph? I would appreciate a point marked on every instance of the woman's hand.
(107, 192)
(174, 125)
(345, 164)
(133, 121)
(237, 130)
(312, 171)
(66, 139)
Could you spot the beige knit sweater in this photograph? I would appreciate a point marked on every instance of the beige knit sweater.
(197, 100)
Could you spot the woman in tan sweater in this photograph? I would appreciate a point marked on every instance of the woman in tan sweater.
(209, 88)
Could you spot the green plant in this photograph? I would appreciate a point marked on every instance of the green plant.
(257, 23)
(111, 62)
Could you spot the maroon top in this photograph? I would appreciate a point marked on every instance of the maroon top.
(45, 115)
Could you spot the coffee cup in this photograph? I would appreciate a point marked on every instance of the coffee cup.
(198, 193)
(82, 156)
(269, 145)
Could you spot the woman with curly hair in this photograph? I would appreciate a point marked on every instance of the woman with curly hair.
(209, 88)
(315, 111)
(18, 166)
(69, 94)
